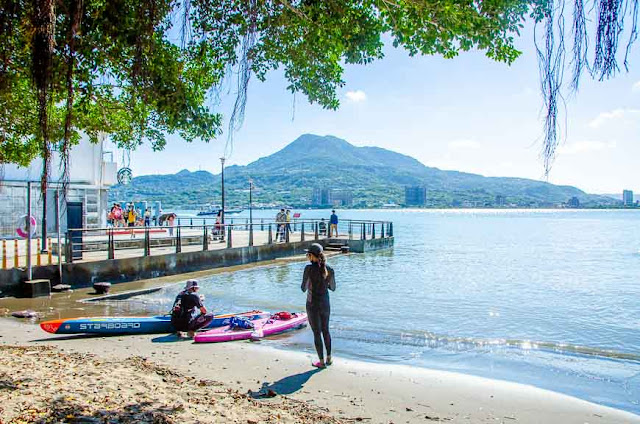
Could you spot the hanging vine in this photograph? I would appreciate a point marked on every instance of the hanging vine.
(610, 17)
(75, 13)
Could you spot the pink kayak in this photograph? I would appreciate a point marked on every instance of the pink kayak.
(262, 327)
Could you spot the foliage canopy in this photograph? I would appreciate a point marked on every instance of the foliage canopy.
(138, 70)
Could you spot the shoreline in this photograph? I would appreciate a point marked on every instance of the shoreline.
(349, 389)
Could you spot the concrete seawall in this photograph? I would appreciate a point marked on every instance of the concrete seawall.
(84, 274)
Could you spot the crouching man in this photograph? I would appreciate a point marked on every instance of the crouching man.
(188, 313)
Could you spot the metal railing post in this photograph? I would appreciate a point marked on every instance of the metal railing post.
(178, 241)
(110, 245)
(315, 230)
(191, 222)
(382, 231)
(363, 232)
(246, 224)
(350, 230)
(250, 234)
(295, 225)
(69, 248)
(262, 225)
(270, 239)
(229, 242)
(205, 239)
(302, 231)
(147, 242)
(373, 230)
(391, 229)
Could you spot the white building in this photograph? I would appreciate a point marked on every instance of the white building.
(92, 171)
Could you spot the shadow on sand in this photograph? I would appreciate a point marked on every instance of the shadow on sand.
(170, 338)
(285, 386)
(74, 337)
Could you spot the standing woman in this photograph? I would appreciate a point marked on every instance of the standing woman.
(317, 280)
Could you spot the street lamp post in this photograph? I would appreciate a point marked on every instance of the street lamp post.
(222, 215)
(250, 201)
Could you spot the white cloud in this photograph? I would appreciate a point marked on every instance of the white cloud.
(585, 146)
(356, 96)
(636, 87)
(464, 145)
(615, 115)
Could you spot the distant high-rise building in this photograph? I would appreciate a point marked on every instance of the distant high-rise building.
(627, 197)
(415, 196)
(329, 197)
(341, 197)
(321, 197)
(500, 200)
(574, 202)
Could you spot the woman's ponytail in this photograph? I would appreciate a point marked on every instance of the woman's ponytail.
(322, 262)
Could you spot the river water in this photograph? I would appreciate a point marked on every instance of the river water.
(543, 297)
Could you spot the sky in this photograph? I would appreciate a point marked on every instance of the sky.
(466, 114)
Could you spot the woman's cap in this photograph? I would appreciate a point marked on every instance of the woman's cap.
(191, 284)
(314, 249)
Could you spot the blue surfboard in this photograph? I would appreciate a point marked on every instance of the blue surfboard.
(131, 325)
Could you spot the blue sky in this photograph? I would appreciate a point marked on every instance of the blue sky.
(467, 114)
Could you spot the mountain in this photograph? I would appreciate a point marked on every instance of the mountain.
(375, 176)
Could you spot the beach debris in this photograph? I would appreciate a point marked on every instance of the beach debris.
(102, 287)
(28, 313)
(61, 287)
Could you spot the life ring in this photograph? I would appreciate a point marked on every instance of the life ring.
(21, 230)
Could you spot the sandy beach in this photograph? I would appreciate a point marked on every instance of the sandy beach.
(151, 378)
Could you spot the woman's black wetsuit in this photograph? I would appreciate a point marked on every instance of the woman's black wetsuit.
(318, 306)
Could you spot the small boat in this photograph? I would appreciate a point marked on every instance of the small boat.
(390, 205)
(262, 328)
(132, 325)
(212, 209)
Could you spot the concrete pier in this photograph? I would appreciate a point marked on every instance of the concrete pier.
(132, 264)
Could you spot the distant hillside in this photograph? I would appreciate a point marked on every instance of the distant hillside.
(375, 176)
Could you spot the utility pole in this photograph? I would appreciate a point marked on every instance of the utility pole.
(250, 212)
(44, 186)
(29, 229)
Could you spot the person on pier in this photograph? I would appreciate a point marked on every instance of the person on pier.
(333, 223)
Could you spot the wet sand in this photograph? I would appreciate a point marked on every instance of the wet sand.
(154, 378)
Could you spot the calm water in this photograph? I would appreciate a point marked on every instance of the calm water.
(548, 298)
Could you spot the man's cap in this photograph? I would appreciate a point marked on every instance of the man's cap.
(315, 249)
(191, 284)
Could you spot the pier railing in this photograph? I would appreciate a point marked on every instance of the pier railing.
(191, 235)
